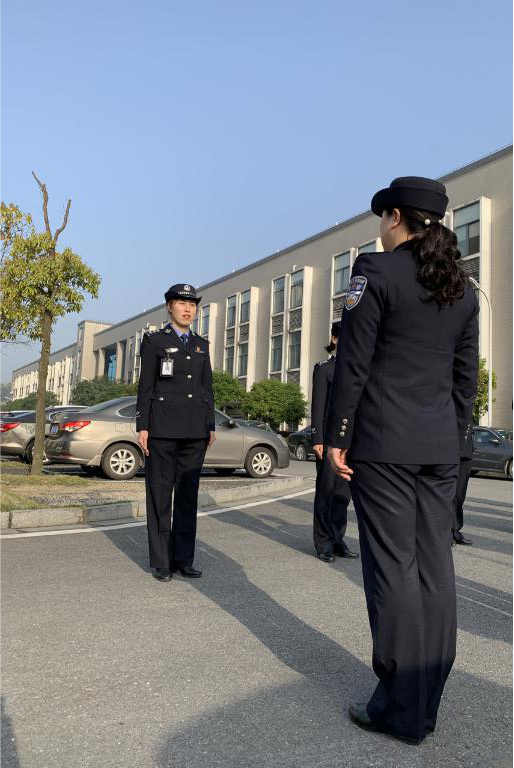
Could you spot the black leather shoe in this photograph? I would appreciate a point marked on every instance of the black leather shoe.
(162, 574)
(345, 552)
(189, 572)
(326, 557)
(359, 715)
(459, 538)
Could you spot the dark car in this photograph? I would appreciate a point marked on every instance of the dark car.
(300, 444)
(492, 451)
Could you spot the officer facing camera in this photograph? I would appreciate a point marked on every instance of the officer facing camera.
(332, 491)
(175, 421)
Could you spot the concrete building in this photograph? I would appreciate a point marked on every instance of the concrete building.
(271, 319)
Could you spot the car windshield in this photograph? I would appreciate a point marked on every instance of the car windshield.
(505, 433)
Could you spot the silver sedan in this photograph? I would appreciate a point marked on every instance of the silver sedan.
(104, 436)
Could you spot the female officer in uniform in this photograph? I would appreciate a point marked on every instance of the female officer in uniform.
(401, 404)
(332, 492)
(175, 421)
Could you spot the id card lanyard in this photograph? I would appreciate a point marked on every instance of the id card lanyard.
(167, 364)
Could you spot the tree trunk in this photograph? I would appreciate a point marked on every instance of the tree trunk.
(39, 442)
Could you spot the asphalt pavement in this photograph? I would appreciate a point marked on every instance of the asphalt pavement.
(252, 666)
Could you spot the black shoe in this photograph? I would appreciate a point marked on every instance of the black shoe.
(345, 552)
(359, 715)
(326, 557)
(459, 538)
(188, 571)
(162, 574)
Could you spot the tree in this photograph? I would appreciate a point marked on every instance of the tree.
(481, 405)
(5, 391)
(227, 390)
(274, 402)
(39, 284)
(28, 403)
(93, 391)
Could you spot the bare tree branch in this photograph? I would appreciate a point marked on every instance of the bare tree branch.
(43, 189)
(63, 225)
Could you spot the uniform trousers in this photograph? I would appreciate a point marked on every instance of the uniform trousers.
(172, 468)
(330, 508)
(460, 495)
(404, 513)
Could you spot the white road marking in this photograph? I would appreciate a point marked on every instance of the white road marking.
(505, 613)
(139, 523)
(474, 589)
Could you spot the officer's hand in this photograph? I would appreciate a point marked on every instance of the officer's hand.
(212, 438)
(143, 441)
(318, 450)
(337, 459)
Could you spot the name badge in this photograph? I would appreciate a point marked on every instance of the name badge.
(167, 367)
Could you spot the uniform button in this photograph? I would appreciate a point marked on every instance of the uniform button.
(341, 434)
(188, 358)
(190, 395)
(189, 376)
(161, 398)
(345, 421)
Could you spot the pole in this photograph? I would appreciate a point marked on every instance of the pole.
(490, 353)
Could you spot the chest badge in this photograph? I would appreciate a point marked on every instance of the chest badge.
(355, 291)
(197, 349)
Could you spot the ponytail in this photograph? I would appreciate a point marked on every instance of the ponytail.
(435, 249)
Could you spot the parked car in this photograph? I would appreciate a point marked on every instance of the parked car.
(104, 436)
(17, 432)
(492, 451)
(7, 415)
(300, 444)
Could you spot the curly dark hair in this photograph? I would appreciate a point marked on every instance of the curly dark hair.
(436, 252)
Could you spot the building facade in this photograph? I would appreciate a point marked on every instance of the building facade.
(272, 318)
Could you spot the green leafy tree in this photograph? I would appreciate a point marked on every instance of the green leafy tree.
(39, 284)
(93, 391)
(5, 391)
(274, 402)
(29, 403)
(480, 407)
(227, 390)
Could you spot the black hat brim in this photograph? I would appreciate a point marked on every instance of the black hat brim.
(408, 197)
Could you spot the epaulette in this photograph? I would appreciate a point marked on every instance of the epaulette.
(322, 362)
(152, 333)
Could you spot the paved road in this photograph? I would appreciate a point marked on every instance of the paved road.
(252, 666)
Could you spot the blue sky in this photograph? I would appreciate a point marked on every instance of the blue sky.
(194, 138)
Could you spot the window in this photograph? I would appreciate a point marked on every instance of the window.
(194, 325)
(296, 289)
(482, 435)
(244, 312)
(242, 364)
(294, 349)
(370, 247)
(231, 311)
(278, 294)
(229, 360)
(109, 362)
(276, 353)
(341, 272)
(466, 223)
(205, 320)
(129, 412)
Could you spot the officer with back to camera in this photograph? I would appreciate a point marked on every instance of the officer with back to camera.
(175, 421)
(332, 492)
(401, 407)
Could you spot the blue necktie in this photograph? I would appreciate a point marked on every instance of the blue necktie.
(184, 337)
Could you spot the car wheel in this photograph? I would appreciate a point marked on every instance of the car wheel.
(121, 461)
(509, 470)
(29, 452)
(260, 462)
(301, 452)
(225, 471)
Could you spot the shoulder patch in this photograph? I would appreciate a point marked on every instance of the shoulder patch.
(151, 333)
(355, 291)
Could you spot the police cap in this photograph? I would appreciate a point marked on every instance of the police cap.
(412, 192)
(182, 291)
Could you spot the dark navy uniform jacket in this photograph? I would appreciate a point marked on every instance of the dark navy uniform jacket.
(406, 370)
(322, 378)
(180, 405)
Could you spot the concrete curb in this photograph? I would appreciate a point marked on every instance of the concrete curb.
(80, 515)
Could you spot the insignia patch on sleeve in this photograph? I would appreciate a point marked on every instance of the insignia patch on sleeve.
(355, 291)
